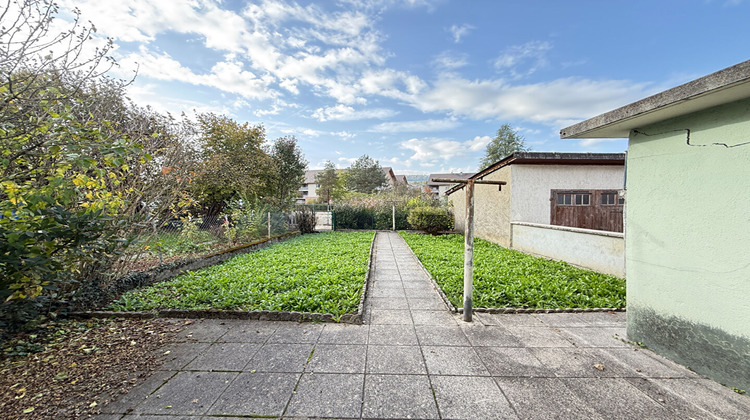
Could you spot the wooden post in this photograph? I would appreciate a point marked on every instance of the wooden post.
(269, 225)
(469, 238)
(469, 252)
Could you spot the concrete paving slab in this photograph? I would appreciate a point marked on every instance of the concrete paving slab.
(187, 393)
(539, 337)
(289, 358)
(327, 395)
(469, 397)
(710, 396)
(344, 334)
(178, 355)
(508, 320)
(337, 358)
(493, 335)
(296, 333)
(401, 360)
(256, 332)
(207, 330)
(544, 399)
(393, 335)
(675, 405)
(597, 336)
(446, 360)
(399, 397)
(129, 401)
(430, 317)
(434, 303)
(256, 394)
(441, 335)
(512, 361)
(390, 317)
(589, 319)
(615, 398)
(387, 303)
(640, 362)
(396, 293)
(580, 363)
(224, 356)
(420, 293)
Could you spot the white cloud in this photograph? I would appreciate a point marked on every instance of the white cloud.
(415, 126)
(433, 150)
(146, 95)
(227, 76)
(447, 61)
(342, 112)
(594, 144)
(522, 60)
(458, 31)
(557, 102)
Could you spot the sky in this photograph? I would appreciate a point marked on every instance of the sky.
(419, 85)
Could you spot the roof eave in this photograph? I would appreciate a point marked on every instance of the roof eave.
(724, 86)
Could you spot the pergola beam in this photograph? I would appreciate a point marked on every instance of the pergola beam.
(469, 238)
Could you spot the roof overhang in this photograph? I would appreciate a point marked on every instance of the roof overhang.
(725, 86)
(548, 158)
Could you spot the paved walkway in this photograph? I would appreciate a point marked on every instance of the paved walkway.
(414, 359)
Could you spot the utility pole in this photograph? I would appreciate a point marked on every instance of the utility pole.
(469, 239)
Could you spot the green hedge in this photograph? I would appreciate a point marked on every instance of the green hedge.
(430, 219)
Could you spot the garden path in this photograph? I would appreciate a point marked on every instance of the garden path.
(414, 359)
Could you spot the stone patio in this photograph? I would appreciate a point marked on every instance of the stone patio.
(414, 359)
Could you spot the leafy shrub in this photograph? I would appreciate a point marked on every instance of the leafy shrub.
(306, 220)
(384, 218)
(430, 219)
(351, 217)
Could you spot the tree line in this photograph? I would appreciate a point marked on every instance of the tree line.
(84, 171)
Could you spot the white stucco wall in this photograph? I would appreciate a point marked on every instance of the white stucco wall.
(530, 197)
(593, 249)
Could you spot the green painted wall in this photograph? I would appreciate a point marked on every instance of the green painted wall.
(688, 240)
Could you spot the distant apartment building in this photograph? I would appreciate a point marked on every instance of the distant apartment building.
(438, 189)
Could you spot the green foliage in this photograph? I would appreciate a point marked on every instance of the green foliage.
(430, 219)
(312, 273)
(351, 217)
(506, 142)
(233, 163)
(288, 171)
(330, 183)
(365, 175)
(59, 200)
(306, 220)
(508, 278)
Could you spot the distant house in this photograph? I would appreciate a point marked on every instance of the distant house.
(565, 206)
(688, 220)
(308, 191)
(438, 189)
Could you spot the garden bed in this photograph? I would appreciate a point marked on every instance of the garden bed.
(506, 278)
(311, 274)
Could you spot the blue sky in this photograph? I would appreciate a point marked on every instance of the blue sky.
(419, 85)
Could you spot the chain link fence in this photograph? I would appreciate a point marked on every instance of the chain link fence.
(190, 237)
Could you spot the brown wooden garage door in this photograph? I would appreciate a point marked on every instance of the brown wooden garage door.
(587, 209)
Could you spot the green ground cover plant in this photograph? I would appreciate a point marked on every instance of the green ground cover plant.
(508, 278)
(322, 273)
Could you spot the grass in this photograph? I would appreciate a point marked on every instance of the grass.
(508, 278)
(322, 273)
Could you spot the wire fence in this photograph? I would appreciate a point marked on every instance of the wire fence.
(187, 237)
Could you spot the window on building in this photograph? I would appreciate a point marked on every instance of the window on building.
(573, 199)
(611, 199)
